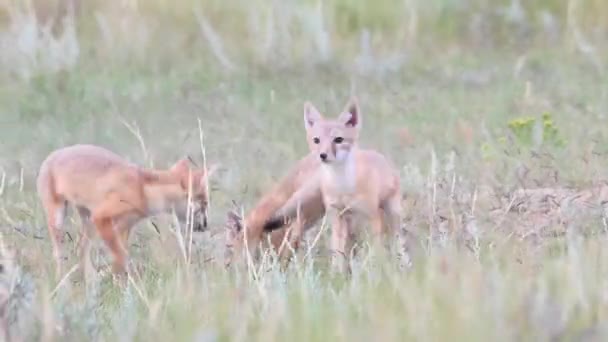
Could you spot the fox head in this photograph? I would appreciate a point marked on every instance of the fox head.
(332, 139)
(193, 184)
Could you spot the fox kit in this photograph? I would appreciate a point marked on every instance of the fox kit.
(350, 181)
(114, 194)
(256, 222)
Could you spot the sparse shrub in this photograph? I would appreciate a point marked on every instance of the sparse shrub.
(524, 131)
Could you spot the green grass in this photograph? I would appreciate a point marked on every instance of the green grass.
(438, 99)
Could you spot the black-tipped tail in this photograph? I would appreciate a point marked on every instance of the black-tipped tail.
(274, 224)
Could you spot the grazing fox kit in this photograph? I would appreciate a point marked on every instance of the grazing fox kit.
(114, 194)
(349, 182)
(256, 222)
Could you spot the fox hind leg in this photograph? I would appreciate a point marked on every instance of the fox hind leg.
(110, 220)
(378, 224)
(55, 210)
(291, 242)
(105, 227)
(393, 212)
(340, 242)
(84, 243)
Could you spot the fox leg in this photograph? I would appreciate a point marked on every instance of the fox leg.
(378, 224)
(277, 237)
(393, 212)
(340, 241)
(379, 230)
(280, 239)
(125, 232)
(55, 210)
(304, 211)
(294, 232)
(110, 221)
(105, 227)
(299, 227)
(291, 242)
(85, 240)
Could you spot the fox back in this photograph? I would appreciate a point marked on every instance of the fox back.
(88, 176)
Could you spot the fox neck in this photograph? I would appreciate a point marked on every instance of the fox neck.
(160, 197)
(341, 176)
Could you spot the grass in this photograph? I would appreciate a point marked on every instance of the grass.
(439, 95)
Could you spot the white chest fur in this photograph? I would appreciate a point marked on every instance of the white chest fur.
(339, 183)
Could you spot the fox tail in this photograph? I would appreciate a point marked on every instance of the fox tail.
(306, 205)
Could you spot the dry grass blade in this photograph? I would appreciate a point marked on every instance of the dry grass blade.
(214, 40)
(134, 129)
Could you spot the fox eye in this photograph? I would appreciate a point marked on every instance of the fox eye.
(316, 140)
(338, 140)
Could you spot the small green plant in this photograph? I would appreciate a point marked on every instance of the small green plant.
(523, 131)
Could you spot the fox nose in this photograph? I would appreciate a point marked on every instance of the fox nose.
(323, 156)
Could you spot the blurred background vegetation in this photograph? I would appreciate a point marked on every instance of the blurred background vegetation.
(273, 35)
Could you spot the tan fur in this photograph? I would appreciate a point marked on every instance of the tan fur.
(258, 217)
(113, 194)
(350, 181)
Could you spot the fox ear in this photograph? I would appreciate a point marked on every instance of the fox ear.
(351, 116)
(311, 115)
(180, 166)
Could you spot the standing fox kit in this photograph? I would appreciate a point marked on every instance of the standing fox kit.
(114, 194)
(350, 181)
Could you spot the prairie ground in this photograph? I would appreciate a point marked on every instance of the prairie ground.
(472, 100)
